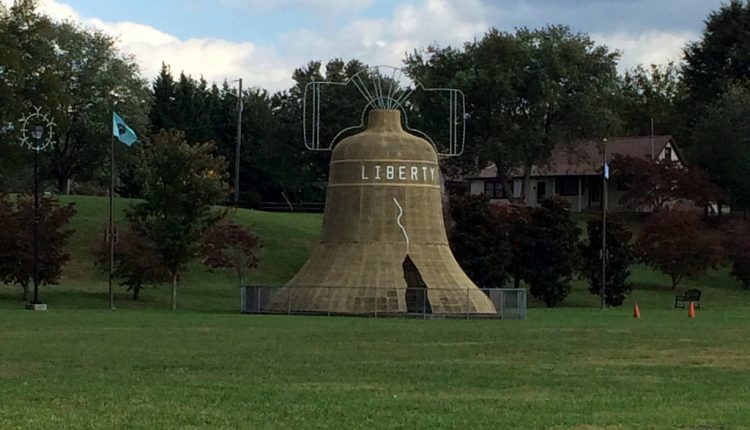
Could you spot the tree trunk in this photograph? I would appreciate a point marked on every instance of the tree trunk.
(675, 280)
(136, 292)
(516, 282)
(62, 182)
(174, 291)
(25, 292)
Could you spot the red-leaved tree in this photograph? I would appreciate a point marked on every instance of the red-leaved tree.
(137, 262)
(657, 184)
(737, 246)
(676, 243)
(232, 246)
(17, 241)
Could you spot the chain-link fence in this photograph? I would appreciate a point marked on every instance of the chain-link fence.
(510, 303)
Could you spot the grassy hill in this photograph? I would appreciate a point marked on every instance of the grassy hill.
(286, 237)
(287, 240)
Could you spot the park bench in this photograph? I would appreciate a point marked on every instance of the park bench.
(691, 295)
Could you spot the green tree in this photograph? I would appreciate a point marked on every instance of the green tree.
(75, 74)
(620, 255)
(650, 94)
(527, 92)
(548, 258)
(181, 183)
(721, 57)
(721, 143)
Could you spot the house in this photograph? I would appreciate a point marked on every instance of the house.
(576, 174)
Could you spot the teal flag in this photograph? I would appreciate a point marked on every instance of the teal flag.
(121, 131)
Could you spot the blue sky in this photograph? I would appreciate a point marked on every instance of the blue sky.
(264, 40)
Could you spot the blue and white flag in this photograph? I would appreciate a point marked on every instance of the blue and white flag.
(121, 131)
(606, 171)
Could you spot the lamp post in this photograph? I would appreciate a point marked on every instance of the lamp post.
(34, 127)
(36, 133)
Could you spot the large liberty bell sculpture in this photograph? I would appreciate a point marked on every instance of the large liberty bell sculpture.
(384, 247)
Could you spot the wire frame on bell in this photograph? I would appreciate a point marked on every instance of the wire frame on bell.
(384, 88)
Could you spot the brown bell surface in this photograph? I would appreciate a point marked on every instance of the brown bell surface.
(383, 238)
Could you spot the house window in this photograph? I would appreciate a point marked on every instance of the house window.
(494, 189)
(668, 153)
(567, 185)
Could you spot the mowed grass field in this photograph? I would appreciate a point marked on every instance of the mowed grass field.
(206, 366)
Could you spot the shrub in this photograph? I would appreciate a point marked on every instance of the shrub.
(620, 255)
(479, 240)
(547, 260)
(737, 246)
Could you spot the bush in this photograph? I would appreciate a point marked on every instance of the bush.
(137, 262)
(620, 255)
(737, 246)
(479, 240)
(547, 260)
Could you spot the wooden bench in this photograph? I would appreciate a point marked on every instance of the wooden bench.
(692, 295)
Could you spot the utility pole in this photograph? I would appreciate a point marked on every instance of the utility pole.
(605, 177)
(238, 147)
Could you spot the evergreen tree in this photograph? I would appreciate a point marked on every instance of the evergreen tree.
(620, 255)
(548, 258)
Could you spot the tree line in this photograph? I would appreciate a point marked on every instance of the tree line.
(527, 92)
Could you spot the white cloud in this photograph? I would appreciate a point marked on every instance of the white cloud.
(652, 47)
(374, 41)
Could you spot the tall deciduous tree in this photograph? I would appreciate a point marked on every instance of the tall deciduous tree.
(181, 183)
(650, 94)
(721, 143)
(676, 243)
(719, 58)
(77, 76)
(527, 92)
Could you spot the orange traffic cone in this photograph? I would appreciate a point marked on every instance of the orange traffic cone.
(636, 311)
(691, 311)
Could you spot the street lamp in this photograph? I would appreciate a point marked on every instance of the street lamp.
(37, 143)
(36, 133)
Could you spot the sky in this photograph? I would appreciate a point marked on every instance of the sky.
(263, 41)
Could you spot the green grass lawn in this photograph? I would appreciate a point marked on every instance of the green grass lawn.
(563, 368)
(79, 366)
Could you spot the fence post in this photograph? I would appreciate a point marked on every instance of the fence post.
(258, 297)
(376, 301)
(467, 303)
(289, 302)
(502, 304)
(328, 303)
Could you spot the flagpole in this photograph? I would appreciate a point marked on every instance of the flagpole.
(605, 198)
(111, 216)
